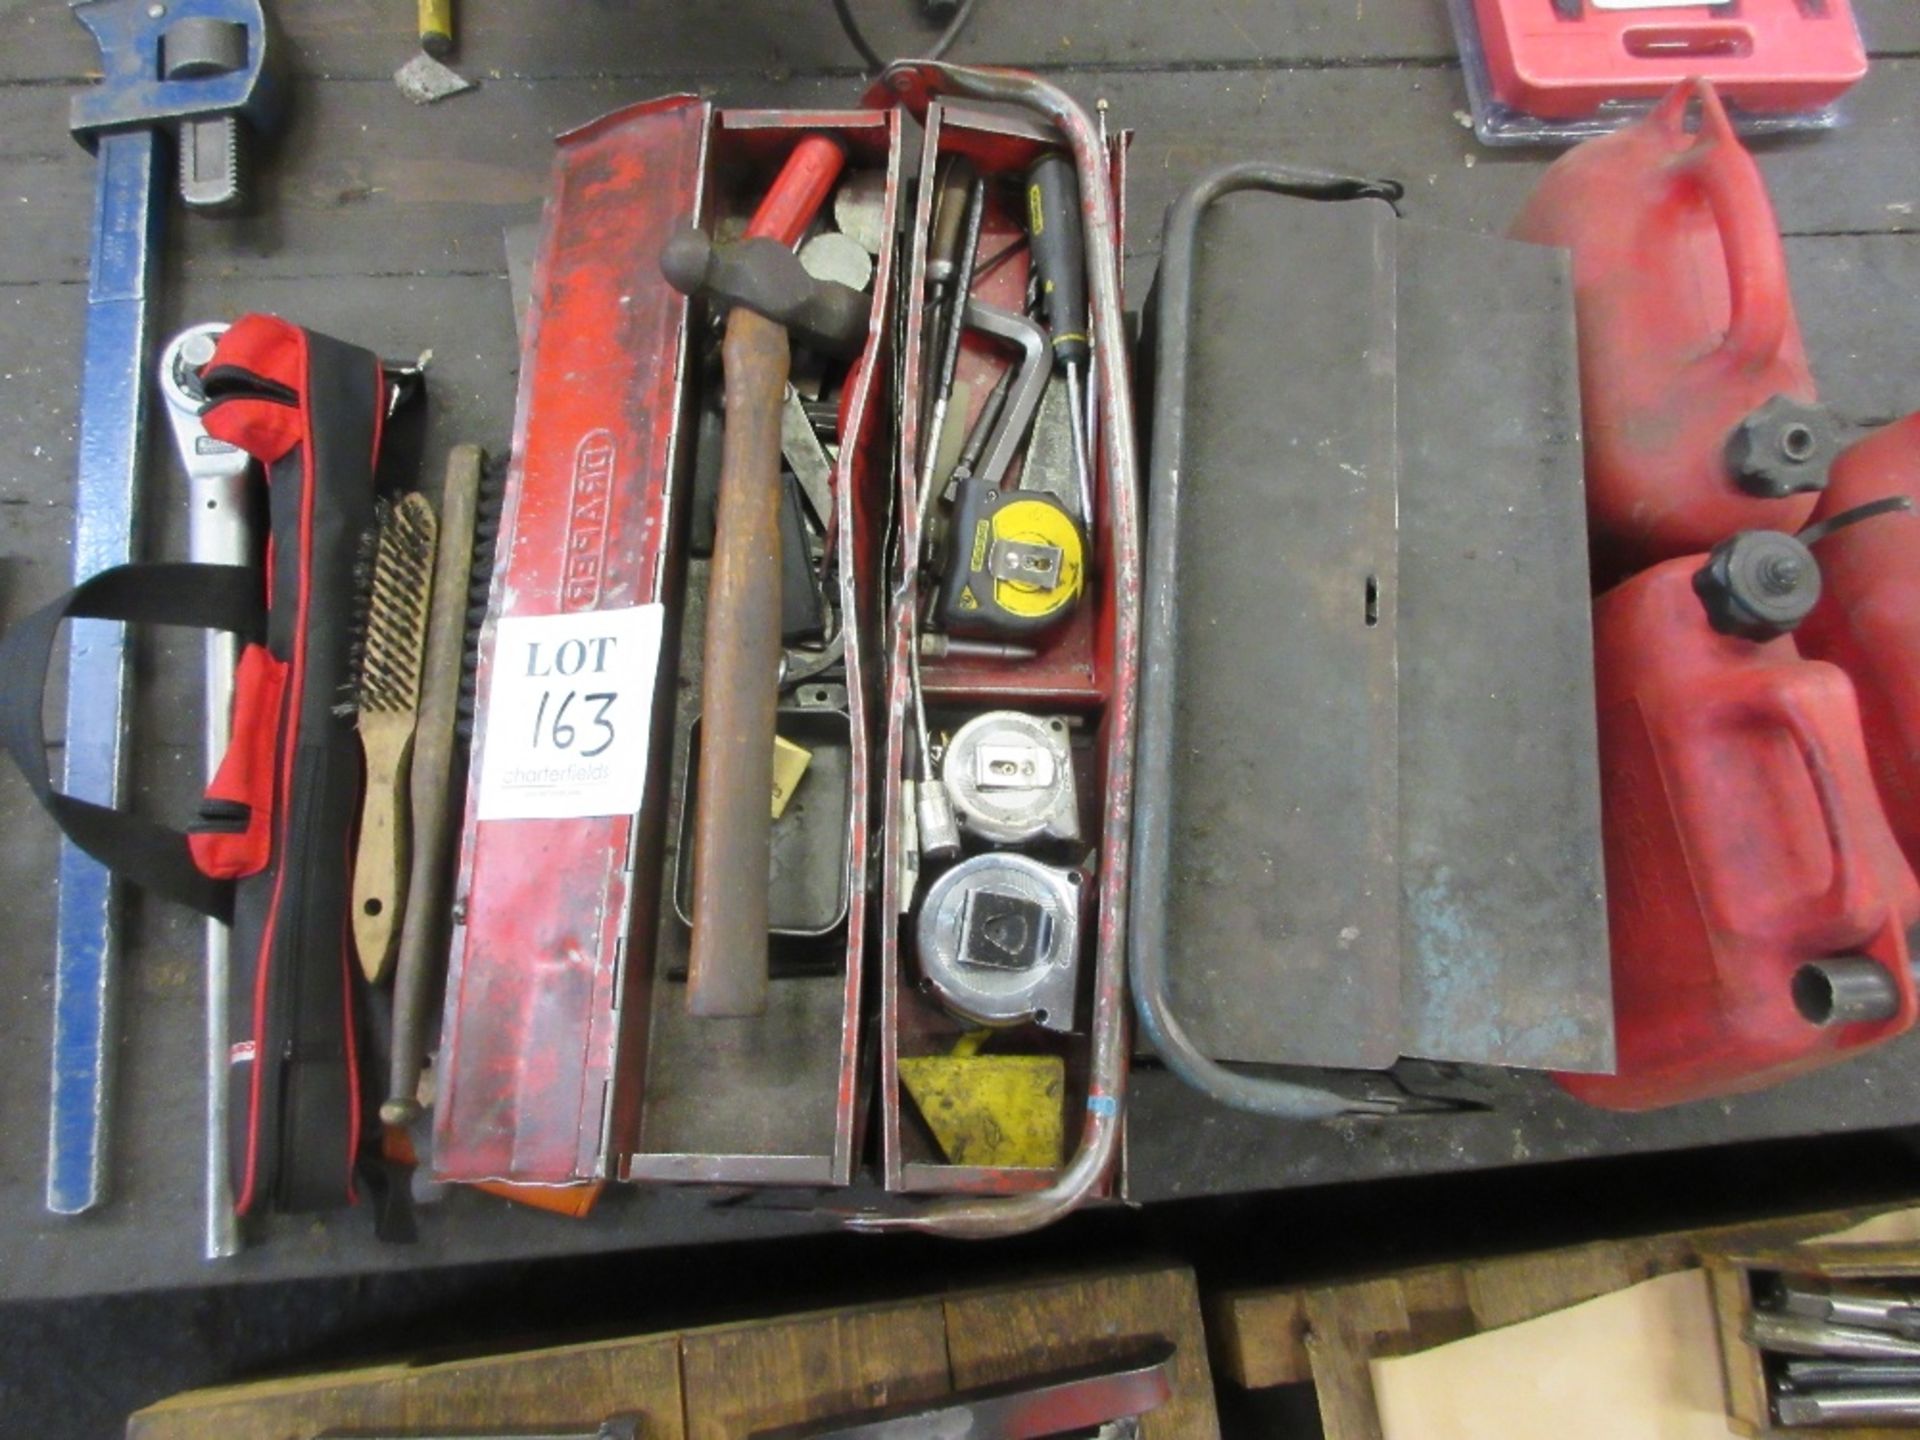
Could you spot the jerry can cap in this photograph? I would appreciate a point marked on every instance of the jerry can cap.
(1758, 585)
(1785, 447)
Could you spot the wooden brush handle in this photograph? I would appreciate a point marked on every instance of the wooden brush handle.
(380, 869)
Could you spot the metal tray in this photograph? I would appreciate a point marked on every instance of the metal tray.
(807, 884)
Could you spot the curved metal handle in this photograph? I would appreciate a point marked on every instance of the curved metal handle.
(913, 83)
(1153, 824)
(1726, 175)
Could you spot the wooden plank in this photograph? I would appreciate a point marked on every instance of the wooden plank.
(1012, 1334)
(1401, 124)
(744, 1377)
(366, 38)
(1259, 1338)
(573, 1386)
(1858, 298)
(1890, 27)
(1516, 1288)
(360, 39)
(1439, 1308)
(1346, 1325)
(1748, 1404)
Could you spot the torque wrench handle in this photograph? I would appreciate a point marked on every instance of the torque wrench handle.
(220, 481)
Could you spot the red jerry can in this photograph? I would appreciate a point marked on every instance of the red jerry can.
(1757, 901)
(1701, 417)
(1868, 618)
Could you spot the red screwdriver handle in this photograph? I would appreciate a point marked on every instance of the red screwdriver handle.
(799, 190)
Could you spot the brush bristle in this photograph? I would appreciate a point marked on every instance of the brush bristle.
(391, 639)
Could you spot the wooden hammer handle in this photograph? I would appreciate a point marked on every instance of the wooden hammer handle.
(733, 812)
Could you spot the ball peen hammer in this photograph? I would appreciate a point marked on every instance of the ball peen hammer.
(771, 300)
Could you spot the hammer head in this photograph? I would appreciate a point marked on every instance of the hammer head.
(767, 277)
(166, 64)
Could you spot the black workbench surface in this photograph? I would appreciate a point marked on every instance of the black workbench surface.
(383, 223)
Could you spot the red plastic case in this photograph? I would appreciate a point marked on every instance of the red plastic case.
(1561, 70)
(1563, 59)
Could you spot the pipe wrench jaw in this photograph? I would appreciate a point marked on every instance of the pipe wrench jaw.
(198, 69)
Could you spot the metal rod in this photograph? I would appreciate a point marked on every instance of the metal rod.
(948, 363)
(1076, 421)
(1798, 1335)
(1850, 1407)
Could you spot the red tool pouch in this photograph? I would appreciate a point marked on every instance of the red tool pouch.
(233, 837)
(269, 852)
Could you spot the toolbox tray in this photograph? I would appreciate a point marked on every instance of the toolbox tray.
(807, 887)
(567, 1052)
(1077, 673)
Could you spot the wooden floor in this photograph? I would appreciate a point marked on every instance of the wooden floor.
(383, 223)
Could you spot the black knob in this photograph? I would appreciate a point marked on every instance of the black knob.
(1758, 585)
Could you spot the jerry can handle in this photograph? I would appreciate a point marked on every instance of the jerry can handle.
(1771, 707)
(1714, 160)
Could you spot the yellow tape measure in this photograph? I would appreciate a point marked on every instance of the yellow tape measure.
(1018, 565)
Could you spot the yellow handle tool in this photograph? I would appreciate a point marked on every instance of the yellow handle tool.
(436, 28)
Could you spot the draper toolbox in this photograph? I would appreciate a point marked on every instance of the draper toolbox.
(713, 519)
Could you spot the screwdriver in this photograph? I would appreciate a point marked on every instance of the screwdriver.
(947, 364)
(1060, 260)
(951, 217)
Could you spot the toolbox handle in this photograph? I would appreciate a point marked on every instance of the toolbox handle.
(1714, 161)
(1153, 811)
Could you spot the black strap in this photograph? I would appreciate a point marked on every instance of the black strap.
(211, 597)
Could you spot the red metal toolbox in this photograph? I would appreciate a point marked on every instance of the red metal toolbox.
(1082, 677)
(566, 1054)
